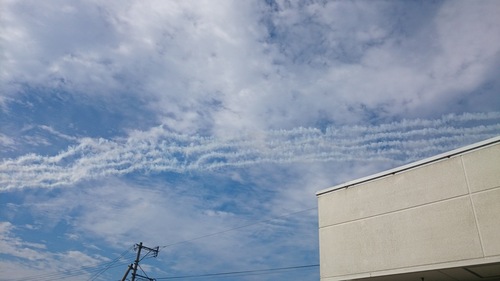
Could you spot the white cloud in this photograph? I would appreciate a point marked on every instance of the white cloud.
(36, 259)
(159, 150)
(6, 141)
(119, 213)
(235, 67)
(302, 93)
(16, 247)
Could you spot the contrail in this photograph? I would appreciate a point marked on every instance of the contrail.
(158, 150)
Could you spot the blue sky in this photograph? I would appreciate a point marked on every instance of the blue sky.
(206, 127)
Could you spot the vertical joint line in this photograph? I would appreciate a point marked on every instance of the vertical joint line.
(473, 207)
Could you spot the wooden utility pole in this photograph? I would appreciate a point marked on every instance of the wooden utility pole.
(126, 272)
(136, 262)
(135, 265)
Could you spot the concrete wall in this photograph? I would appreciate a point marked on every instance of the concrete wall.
(435, 214)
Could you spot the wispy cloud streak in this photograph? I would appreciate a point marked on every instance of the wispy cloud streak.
(158, 150)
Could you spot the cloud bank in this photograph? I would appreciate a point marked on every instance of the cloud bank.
(201, 68)
(159, 150)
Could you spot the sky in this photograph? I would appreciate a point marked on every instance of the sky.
(206, 127)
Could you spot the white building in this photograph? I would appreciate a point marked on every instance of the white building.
(435, 219)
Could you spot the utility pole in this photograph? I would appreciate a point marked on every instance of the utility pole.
(135, 265)
(136, 262)
(126, 272)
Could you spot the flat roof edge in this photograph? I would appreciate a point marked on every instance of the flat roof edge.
(412, 165)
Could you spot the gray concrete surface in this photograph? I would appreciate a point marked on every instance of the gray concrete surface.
(434, 219)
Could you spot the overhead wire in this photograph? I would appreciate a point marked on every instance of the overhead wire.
(146, 255)
(237, 228)
(143, 272)
(240, 273)
(75, 271)
(247, 272)
(97, 274)
(100, 269)
(65, 274)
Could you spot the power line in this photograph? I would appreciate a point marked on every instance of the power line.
(100, 269)
(97, 274)
(76, 271)
(236, 228)
(66, 274)
(134, 266)
(243, 272)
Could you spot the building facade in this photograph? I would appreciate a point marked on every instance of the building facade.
(435, 219)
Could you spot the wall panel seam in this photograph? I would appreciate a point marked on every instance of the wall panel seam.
(485, 190)
(397, 211)
(473, 207)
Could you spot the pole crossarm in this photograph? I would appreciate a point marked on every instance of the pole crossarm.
(154, 250)
(133, 267)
